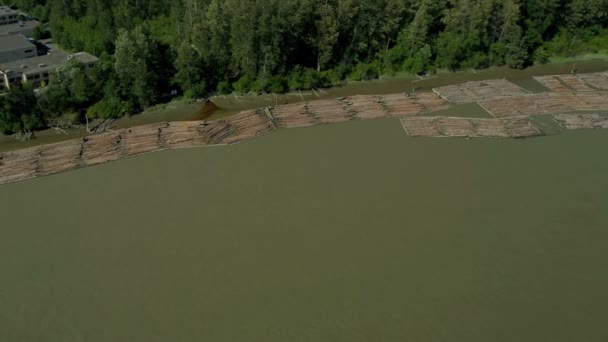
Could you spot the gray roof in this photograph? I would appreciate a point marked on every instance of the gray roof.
(7, 10)
(23, 27)
(15, 42)
(52, 61)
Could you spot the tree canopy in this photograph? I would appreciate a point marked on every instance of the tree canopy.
(150, 48)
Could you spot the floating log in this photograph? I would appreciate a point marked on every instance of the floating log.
(518, 127)
(360, 107)
(597, 80)
(563, 83)
(582, 121)
(575, 83)
(112, 145)
(552, 83)
(546, 103)
(479, 91)
(248, 125)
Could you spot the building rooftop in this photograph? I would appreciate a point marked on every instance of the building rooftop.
(24, 26)
(7, 10)
(52, 61)
(15, 42)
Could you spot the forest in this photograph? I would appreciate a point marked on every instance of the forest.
(150, 49)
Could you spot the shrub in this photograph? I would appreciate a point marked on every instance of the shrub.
(244, 84)
(364, 72)
(224, 87)
(107, 109)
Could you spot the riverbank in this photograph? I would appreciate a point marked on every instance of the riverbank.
(227, 105)
(231, 104)
(511, 109)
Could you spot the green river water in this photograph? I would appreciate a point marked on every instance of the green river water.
(347, 232)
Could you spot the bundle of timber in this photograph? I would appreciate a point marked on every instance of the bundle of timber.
(546, 103)
(182, 134)
(60, 157)
(359, 107)
(333, 111)
(519, 127)
(293, 115)
(248, 125)
(598, 81)
(575, 83)
(403, 104)
(214, 132)
(582, 121)
(552, 83)
(478, 91)
(104, 147)
(431, 101)
(588, 101)
(19, 165)
(144, 139)
(563, 83)
(413, 104)
(366, 107)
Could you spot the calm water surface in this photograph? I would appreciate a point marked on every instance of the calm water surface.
(349, 232)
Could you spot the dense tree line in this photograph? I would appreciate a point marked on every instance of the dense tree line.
(150, 47)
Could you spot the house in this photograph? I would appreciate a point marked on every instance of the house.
(16, 47)
(38, 69)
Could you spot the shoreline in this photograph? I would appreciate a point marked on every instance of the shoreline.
(190, 110)
(511, 109)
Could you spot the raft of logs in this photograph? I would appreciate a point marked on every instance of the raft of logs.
(597, 80)
(516, 127)
(478, 91)
(113, 145)
(569, 83)
(360, 107)
(563, 83)
(582, 121)
(547, 103)
(552, 83)
(122, 143)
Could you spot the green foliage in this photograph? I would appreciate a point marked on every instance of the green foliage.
(449, 51)
(364, 72)
(599, 43)
(135, 52)
(190, 71)
(224, 87)
(40, 33)
(335, 76)
(248, 43)
(244, 84)
(69, 90)
(420, 62)
(541, 56)
(150, 49)
(275, 84)
(19, 110)
(108, 108)
(162, 30)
